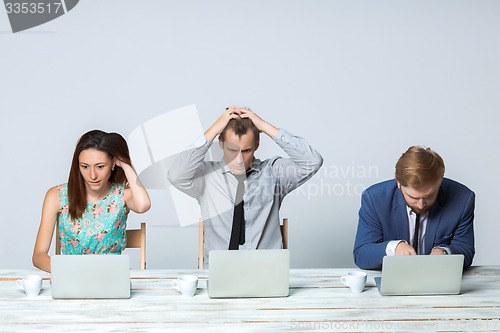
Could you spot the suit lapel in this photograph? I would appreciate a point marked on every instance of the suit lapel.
(432, 223)
(401, 216)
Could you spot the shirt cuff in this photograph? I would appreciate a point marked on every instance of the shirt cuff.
(445, 249)
(390, 249)
(282, 135)
(199, 142)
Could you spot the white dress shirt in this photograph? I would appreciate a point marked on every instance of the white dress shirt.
(391, 246)
(213, 185)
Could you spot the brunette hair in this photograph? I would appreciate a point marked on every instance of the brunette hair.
(240, 126)
(112, 144)
(419, 166)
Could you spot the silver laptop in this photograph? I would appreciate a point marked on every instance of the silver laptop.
(421, 275)
(90, 276)
(248, 273)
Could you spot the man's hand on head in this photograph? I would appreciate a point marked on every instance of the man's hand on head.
(220, 124)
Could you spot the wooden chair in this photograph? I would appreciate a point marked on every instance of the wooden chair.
(201, 248)
(136, 239)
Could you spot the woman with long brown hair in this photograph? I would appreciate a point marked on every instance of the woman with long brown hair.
(91, 210)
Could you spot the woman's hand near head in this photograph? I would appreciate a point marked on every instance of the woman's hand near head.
(120, 163)
(50, 209)
(136, 196)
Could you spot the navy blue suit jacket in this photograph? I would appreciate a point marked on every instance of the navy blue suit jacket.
(383, 217)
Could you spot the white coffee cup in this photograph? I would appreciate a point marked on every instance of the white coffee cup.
(186, 284)
(31, 285)
(355, 280)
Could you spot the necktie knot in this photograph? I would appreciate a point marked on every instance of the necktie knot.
(240, 178)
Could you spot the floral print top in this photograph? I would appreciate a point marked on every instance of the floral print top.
(101, 229)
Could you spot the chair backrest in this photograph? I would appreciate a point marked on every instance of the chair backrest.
(136, 238)
(201, 247)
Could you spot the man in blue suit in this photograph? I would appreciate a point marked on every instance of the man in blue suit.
(419, 212)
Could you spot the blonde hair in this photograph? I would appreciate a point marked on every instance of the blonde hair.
(419, 166)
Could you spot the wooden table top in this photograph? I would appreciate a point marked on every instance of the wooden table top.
(318, 302)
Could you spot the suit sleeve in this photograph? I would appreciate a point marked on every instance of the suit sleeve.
(369, 245)
(462, 240)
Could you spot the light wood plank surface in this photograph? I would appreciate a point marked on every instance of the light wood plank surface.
(318, 302)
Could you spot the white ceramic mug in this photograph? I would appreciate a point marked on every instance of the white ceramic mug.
(355, 280)
(186, 284)
(31, 285)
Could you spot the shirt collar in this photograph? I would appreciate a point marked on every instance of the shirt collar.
(409, 211)
(256, 166)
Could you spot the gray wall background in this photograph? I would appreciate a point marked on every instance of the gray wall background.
(361, 80)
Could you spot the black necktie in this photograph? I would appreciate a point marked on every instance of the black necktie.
(415, 234)
(238, 231)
